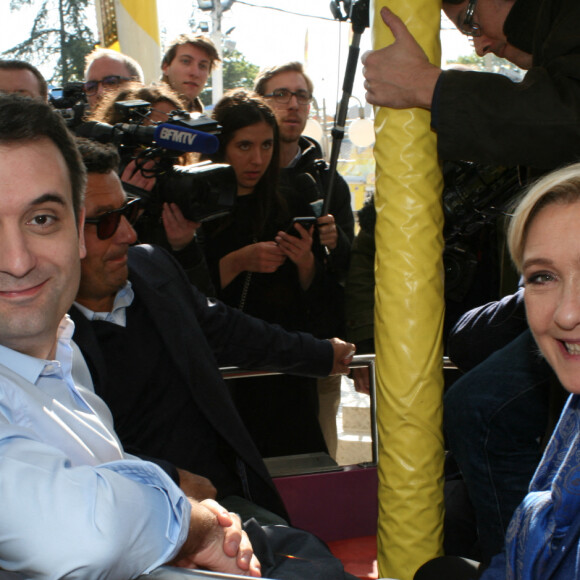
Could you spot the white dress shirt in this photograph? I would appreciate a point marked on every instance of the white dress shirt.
(73, 503)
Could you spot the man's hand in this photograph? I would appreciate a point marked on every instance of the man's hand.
(343, 353)
(196, 486)
(133, 175)
(361, 379)
(327, 231)
(179, 231)
(217, 542)
(399, 75)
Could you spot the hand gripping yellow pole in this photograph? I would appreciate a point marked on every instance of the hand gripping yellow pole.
(409, 316)
(131, 27)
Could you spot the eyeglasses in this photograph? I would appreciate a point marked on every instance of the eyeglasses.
(108, 223)
(468, 26)
(283, 96)
(110, 82)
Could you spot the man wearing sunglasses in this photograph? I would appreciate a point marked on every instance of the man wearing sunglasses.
(153, 344)
(107, 70)
(486, 117)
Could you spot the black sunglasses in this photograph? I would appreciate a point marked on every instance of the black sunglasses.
(109, 82)
(108, 222)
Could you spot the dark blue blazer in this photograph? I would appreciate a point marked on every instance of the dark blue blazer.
(202, 334)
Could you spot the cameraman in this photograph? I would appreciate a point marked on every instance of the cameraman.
(162, 223)
(106, 71)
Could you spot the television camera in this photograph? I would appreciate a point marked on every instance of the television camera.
(202, 191)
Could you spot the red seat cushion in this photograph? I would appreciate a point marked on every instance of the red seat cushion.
(358, 555)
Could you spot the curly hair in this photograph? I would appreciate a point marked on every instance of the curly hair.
(98, 157)
(106, 112)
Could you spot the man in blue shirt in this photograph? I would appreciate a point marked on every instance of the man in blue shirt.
(74, 504)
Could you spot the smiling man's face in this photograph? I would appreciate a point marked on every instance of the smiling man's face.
(104, 269)
(41, 246)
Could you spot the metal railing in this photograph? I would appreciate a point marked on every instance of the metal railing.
(358, 361)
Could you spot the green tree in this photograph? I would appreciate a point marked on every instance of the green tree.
(237, 73)
(490, 63)
(60, 32)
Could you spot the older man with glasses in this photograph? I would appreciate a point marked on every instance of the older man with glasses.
(107, 70)
(486, 117)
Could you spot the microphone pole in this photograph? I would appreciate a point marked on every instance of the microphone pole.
(360, 21)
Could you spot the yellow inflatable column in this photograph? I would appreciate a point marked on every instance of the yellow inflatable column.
(409, 316)
(132, 27)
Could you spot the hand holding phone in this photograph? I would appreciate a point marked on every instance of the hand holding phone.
(307, 222)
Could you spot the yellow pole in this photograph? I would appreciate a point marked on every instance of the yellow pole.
(409, 316)
(132, 27)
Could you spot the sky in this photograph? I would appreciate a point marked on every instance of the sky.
(266, 36)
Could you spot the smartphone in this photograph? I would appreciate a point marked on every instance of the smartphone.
(307, 222)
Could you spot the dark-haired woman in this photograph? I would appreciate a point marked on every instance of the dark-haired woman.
(271, 269)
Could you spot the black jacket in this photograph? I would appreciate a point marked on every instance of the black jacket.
(486, 117)
(484, 330)
(311, 161)
(200, 335)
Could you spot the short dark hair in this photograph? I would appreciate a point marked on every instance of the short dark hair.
(202, 42)
(269, 73)
(24, 119)
(98, 157)
(23, 65)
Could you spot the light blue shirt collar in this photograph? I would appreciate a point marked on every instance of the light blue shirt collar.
(118, 315)
(31, 368)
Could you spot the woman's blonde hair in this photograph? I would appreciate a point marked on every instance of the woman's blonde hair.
(561, 186)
